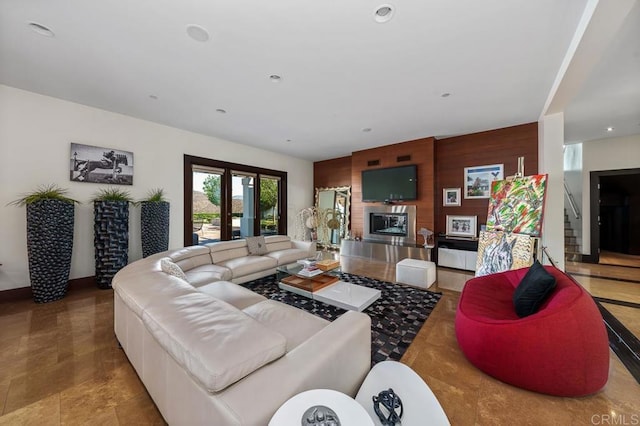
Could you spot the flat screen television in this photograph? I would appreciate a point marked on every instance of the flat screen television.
(390, 184)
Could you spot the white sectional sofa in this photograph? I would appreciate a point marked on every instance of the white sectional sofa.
(212, 352)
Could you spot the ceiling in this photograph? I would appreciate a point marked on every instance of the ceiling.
(347, 82)
(610, 96)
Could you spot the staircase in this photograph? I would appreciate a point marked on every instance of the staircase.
(571, 246)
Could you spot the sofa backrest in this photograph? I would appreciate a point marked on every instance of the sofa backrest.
(225, 250)
(190, 257)
(278, 242)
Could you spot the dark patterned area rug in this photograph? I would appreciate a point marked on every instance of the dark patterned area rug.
(396, 317)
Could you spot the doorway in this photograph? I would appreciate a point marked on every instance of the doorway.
(225, 201)
(615, 216)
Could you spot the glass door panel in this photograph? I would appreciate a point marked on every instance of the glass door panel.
(269, 213)
(207, 205)
(242, 205)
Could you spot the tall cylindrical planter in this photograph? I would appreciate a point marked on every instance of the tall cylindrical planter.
(154, 217)
(49, 247)
(111, 239)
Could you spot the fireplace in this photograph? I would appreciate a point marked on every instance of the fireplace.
(390, 224)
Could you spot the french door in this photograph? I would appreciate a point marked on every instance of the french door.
(225, 201)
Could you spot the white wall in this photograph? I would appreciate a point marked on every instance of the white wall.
(600, 155)
(550, 161)
(35, 136)
(573, 179)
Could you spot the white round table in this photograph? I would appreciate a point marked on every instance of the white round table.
(421, 407)
(349, 412)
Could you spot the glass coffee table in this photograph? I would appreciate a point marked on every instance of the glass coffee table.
(326, 287)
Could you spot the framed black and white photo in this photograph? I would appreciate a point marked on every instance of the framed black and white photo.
(100, 165)
(451, 197)
(462, 226)
(477, 180)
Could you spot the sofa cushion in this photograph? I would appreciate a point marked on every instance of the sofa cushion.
(294, 324)
(256, 245)
(216, 343)
(286, 256)
(206, 274)
(532, 291)
(232, 293)
(138, 291)
(168, 267)
(247, 265)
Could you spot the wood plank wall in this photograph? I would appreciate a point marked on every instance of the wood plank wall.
(502, 146)
(441, 165)
(330, 173)
(421, 152)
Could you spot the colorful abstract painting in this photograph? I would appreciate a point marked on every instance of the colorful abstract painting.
(500, 251)
(517, 205)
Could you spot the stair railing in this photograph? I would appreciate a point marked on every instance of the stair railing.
(572, 201)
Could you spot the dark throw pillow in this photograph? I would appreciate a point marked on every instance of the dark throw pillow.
(532, 291)
(257, 245)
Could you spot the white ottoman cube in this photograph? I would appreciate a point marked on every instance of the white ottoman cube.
(419, 273)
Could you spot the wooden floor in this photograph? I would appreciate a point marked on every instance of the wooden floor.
(619, 259)
(60, 363)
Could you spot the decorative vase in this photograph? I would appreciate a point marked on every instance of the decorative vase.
(154, 218)
(111, 239)
(49, 247)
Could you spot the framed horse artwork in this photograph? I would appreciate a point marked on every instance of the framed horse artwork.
(100, 165)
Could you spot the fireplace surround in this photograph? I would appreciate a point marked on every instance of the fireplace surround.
(390, 224)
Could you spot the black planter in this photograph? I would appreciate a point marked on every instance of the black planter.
(49, 246)
(111, 239)
(154, 218)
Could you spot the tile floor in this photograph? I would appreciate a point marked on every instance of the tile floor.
(60, 363)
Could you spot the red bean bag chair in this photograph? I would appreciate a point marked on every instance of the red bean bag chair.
(562, 349)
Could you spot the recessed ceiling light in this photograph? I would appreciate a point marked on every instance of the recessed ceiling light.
(383, 13)
(275, 78)
(366, 129)
(154, 97)
(610, 129)
(221, 111)
(41, 29)
(445, 95)
(197, 32)
(288, 140)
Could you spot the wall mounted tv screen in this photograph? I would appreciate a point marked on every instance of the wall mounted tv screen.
(391, 184)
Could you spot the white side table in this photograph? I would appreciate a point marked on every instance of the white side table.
(349, 412)
(421, 407)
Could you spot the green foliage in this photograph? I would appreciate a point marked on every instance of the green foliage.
(269, 224)
(44, 192)
(268, 194)
(207, 217)
(155, 195)
(211, 186)
(112, 194)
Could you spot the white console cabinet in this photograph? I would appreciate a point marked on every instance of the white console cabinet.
(459, 254)
(459, 259)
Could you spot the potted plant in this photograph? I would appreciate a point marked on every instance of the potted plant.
(111, 233)
(50, 218)
(154, 218)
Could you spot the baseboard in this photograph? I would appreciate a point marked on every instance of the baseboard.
(24, 293)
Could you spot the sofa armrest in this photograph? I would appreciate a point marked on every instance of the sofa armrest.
(337, 357)
(309, 246)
